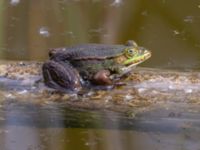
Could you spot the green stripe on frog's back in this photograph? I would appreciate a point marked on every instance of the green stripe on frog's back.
(94, 51)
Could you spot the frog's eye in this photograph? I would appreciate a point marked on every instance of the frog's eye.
(130, 52)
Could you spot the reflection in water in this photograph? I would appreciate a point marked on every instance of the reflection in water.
(27, 126)
(20, 138)
(22, 129)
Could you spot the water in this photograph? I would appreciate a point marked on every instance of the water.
(27, 126)
(28, 28)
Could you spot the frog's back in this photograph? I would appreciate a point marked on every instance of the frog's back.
(95, 51)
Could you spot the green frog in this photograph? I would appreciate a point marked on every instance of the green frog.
(98, 64)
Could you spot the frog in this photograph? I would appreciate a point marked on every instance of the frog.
(70, 68)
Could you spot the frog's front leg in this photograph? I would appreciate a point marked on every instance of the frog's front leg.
(105, 77)
(60, 75)
(102, 77)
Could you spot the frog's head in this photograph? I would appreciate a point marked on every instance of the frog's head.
(133, 55)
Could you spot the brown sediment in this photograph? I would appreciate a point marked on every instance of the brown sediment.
(144, 89)
(20, 70)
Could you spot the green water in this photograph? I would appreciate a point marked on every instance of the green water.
(28, 28)
(169, 28)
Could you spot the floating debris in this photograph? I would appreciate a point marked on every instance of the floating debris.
(44, 31)
(23, 92)
(117, 3)
(189, 19)
(10, 96)
(188, 90)
(14, 2)
(140, 90)
(176, 32)
(128, 97)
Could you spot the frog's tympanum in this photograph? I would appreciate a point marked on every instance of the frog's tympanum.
(99, 64)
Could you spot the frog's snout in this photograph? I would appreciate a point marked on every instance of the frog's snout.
(147, 54)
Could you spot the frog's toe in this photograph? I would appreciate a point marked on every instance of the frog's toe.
(59, 75)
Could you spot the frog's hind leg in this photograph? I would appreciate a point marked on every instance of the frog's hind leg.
(60, 75)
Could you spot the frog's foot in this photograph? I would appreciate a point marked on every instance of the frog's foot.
(61, 76)
(102, 77)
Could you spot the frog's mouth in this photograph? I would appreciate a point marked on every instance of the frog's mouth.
(132, 63)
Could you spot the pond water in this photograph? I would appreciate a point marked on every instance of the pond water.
(28, 28)
(36, 127)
